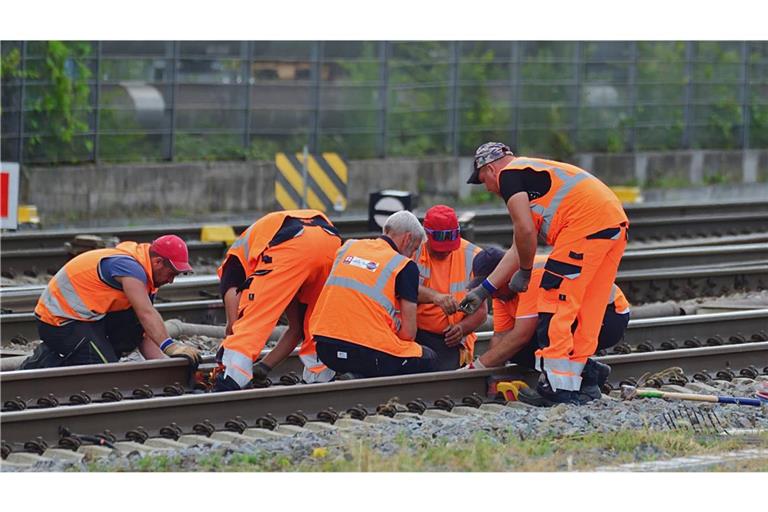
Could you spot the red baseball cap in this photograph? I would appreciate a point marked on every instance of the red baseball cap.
(442, 227)
(174, 249)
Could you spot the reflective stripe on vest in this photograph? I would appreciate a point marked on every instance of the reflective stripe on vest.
(424, 272)
(71, 298)
(468, 257)
(548, 213)
(373, 292)
(613, 294)
(244, 240)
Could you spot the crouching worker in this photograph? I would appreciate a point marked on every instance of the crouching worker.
(278, 265)
(445, 269)
(515, 318)
(98, 307)
(365, 320)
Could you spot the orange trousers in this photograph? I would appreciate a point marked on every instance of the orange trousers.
(576, 284)
(295, 268)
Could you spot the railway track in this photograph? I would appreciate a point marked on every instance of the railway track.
(135, 378)
(43, 251)
(245, 411)
(640, 287)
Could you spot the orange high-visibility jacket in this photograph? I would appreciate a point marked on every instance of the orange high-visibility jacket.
(77, 292)
(358, 302)
(252, 242)
(457, 272)
(577, 202)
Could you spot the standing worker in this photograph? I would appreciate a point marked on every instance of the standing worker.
(515, 317)
(365, 320)
(585, 223)
(278, 265)
(98, 306)
(445, 269)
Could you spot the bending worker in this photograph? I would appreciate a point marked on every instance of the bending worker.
(445, 269)
(585, 223)
(515, 317)
(98, 306)
(278, 265)
(365, 320)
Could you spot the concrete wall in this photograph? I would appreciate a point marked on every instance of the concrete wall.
(85, 193)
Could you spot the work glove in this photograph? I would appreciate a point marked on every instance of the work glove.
(260, 372)
(176, 349)
(520, 280)
(474, 299)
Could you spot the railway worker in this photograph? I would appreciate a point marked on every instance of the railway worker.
(365, 320)
(585, 223)
(515, 317)
(445, 269)
(278, 265)
(98, 306)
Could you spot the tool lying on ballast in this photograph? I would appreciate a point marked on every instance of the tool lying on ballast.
(631, 392)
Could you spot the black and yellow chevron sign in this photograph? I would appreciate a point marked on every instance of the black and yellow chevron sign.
(326, 181)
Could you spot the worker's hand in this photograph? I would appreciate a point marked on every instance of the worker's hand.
(228, 329)
(176, 349)
(260, 372)
(474, 299)
(453, 335)
(474, 365)
(520, 280)
(447, 303)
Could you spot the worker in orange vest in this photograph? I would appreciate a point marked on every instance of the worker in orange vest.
(278, 265)
(98, 306)
(585, 223)
(515, 316)
(365, 320)
(445, 269)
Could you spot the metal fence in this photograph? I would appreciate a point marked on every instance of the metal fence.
(186, 100)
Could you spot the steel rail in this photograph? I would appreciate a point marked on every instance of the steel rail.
(23, 298)
(644, 335)
(280, 401)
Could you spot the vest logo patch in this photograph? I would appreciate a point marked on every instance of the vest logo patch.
(361, 263)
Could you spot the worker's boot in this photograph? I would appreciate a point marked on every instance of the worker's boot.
(348, 376)
(42, 357)
(222, 383)
(545, 396)
(593, 378)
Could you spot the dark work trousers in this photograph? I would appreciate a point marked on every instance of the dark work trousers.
(76, 343)
(447, 357)
(343, 357)
(611, 332)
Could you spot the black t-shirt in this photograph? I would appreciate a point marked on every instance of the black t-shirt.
(407, 280)
(535, 183)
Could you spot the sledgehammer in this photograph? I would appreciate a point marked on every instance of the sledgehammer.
(630, 392)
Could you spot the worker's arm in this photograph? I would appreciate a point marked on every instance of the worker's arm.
(232, 279)
(509, 343)
(150, 350)
(407, 320)
(456, 332)
(290, 337)
(523, 250)
(444, 301)
(231, 303)
(152, 322)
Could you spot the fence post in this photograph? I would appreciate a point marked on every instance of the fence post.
(688, 95)
(632, 78)
(577, 64)
(745, 109)
(248, 68)
(22, 94)
(383, 97)
(453, 136)
(174, 92)
(514, 79)
(315, 78)
(97, 102)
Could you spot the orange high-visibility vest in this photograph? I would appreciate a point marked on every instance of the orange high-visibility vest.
(577, 202)
(77, 292)
(252, 242)
(458, 273)
(358, 302)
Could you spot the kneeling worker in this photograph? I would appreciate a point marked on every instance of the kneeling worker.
(278, 265)
(365, 319)
(445, 269)
(98, 307)
(515, 318)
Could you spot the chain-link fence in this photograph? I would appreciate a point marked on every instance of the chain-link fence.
(192, 100)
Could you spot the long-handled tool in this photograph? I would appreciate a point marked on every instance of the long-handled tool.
(630, 392)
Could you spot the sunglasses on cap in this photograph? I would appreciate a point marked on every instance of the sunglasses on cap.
(441, 235)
